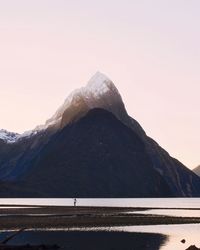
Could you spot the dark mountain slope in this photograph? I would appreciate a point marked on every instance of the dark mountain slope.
(91, 151)
(182, 181)
(98, 156)
(16, 158)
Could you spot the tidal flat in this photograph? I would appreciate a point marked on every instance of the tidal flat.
(101, 227)
(70, 217)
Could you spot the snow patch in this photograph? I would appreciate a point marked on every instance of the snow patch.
(100, 92)
(10, 137)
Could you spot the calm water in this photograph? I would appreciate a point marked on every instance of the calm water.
(170, 212)
(147, 202)
(175, 233)
(91, 240)
(128, 237)
(160, 237)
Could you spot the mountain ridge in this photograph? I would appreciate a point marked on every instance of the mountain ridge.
(197, 170)
(17, 160)
(96, 163)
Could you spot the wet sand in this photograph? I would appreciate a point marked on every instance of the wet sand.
(42, 217)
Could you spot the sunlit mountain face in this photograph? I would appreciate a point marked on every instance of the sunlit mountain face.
(91, 147)
(100, 92)
(197, 170)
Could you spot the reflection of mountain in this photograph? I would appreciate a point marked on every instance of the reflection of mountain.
(197, 170)
(92, 240)
(91, 148)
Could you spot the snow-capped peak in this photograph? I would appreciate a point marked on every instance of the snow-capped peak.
(100, 92)
(99, 82)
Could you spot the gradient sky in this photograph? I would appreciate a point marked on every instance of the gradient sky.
(150, 49)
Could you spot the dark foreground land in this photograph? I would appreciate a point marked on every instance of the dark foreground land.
(69, 217)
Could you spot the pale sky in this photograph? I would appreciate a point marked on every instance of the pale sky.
(149, 48)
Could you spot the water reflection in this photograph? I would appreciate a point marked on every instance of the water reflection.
(175, 233)
(138, 202)
(118, 238)
(170, 212)
(162, 237)
(91, 240)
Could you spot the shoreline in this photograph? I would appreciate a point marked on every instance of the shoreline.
(82, 217)
(9, 206)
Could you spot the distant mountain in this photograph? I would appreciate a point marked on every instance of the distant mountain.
(91, 147)
(7, 136)
(197, 170)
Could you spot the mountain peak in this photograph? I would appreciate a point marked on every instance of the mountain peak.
(99, 84)
(99, 76)
(97, 80)
(100, 92)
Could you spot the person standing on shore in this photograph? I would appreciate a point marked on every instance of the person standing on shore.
(75, 201)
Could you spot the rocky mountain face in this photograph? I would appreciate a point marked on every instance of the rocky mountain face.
(197, 170)
(96, 156)
(91, 148)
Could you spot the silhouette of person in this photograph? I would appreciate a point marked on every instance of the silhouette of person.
(75, 201)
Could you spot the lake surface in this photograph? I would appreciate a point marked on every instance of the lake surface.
(160, 237)
(170, 212)
(156, 237)
(91, 240)
(175, 233)
(138, 202)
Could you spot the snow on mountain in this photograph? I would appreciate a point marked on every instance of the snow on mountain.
(11, 137)
(100, 92)
(8, 136)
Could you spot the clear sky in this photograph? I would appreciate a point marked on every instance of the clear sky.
(150, 49)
